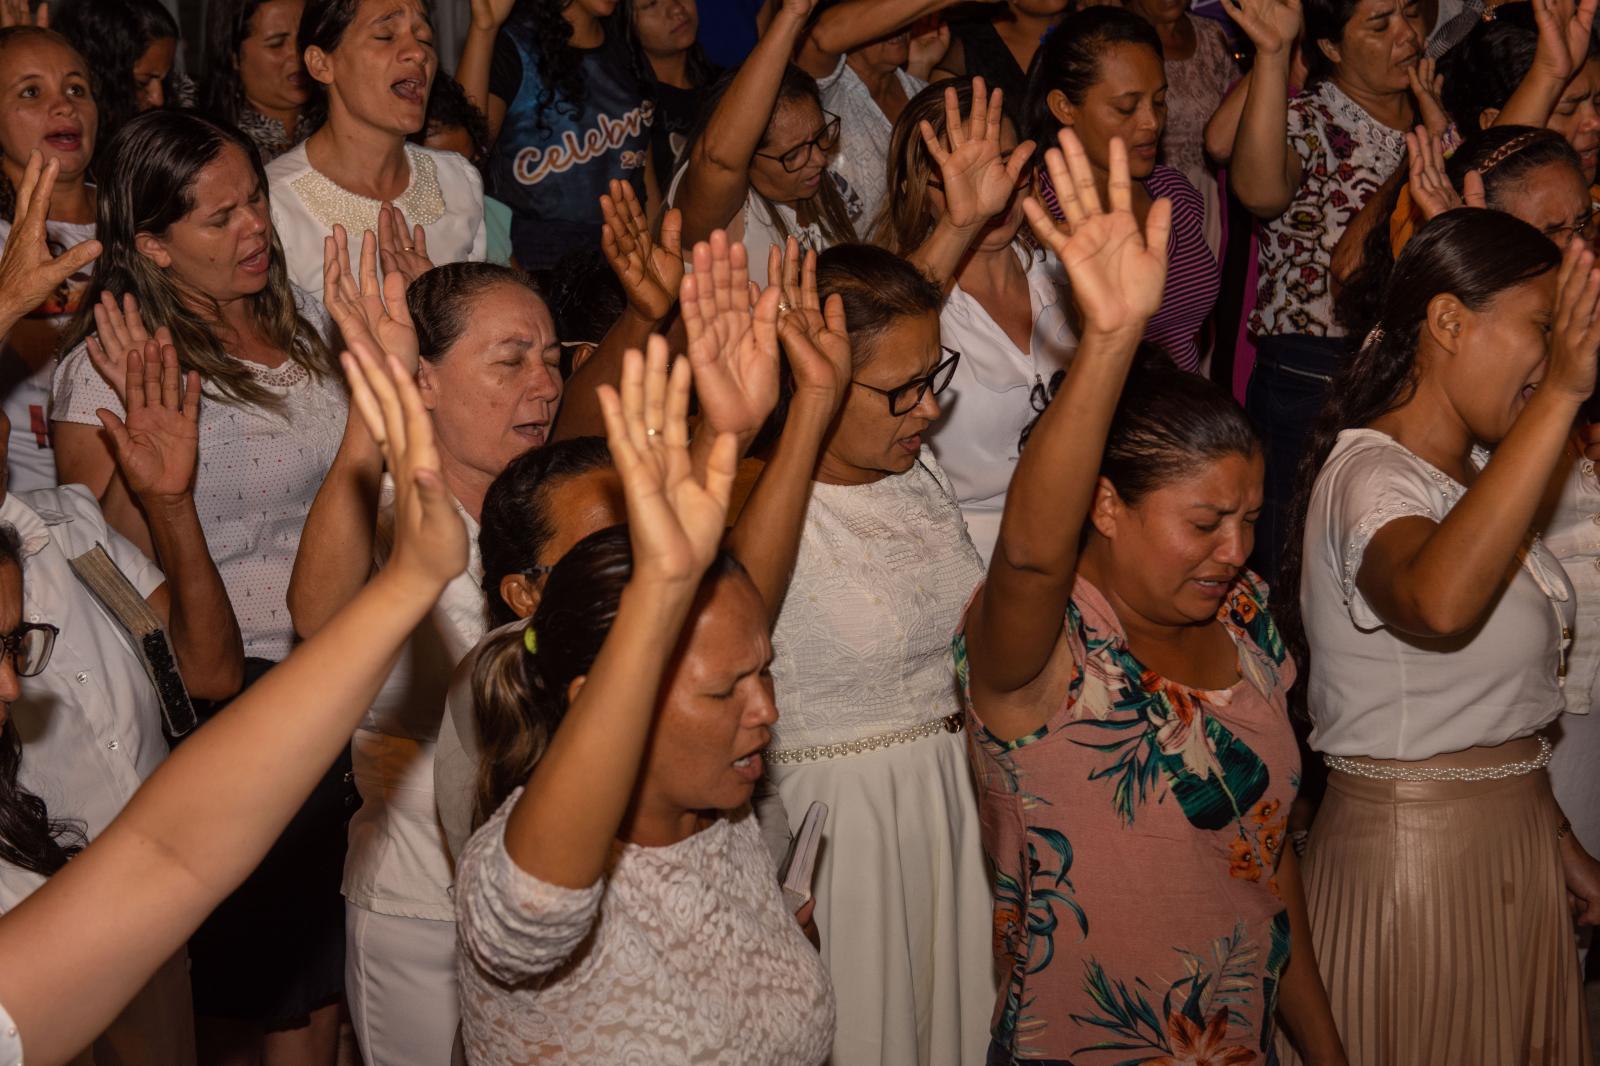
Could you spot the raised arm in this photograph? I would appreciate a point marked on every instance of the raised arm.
(978, 180)
(718, 176)
(847, 26)
(562, 826)
(766, 538)
(1438, 579)
(1117, 275)
(73, 953)
(1264, 172)
(1564, 44)
(477, 52)
(650, 269)
(156, 448)
(337, 543)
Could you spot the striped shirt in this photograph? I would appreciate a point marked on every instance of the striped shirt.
(1193, 276)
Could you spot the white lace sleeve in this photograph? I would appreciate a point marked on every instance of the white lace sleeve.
(512, 925)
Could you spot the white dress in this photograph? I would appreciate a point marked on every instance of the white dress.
(444, 197)
(862, 158)
(680, 954)
(259, 471)
(991, 397)
(861, 651)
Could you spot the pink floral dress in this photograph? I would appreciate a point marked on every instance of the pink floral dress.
(1134, 841)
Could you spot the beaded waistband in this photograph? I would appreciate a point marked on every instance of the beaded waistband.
(949, 724)
(1442, 773)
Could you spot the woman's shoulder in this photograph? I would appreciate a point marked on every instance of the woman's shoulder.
(1368, 461)
(288, 166)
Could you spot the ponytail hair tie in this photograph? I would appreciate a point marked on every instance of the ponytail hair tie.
(530, 640)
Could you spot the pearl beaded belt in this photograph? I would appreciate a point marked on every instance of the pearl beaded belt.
(949, 724)
(1442, 773)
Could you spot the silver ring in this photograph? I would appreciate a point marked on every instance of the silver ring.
(652, 432)
(783, 307)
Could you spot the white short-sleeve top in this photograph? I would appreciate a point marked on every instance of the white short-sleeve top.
(444, 197)
(1378, 692)
(862, 158)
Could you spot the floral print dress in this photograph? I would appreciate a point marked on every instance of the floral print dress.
(1134, 842)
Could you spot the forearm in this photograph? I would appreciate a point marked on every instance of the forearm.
(562, 826)
(195, 829)
(1260, 163)
(766, 538)
(336, 544)
(1532, 102)
(472, 71)
(1302, 999)
(580, 406)
(940, 256)
(201, 624)
(1222, 129)
(847, 26)
(1349, 252)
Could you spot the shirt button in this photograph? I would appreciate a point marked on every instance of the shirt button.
(83, 678)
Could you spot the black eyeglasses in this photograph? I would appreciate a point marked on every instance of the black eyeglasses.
(29, 647)
(904, 398)
(1584, 227)
(797, 157)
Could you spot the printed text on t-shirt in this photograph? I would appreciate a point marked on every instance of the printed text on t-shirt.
(534, 163)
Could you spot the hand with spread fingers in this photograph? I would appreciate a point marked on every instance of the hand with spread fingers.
(16, 13)
(1564, 36)
(29, 271)
(1430, 185)
(651, 271)
(930, 40)
(814, 336)
(1272, 25)
(675, 521)
(120, 333)
(402, 249)
(156, 444)
(732, 347)
(430, 539)
(359, 306)
(1117, 272)
(978, 178)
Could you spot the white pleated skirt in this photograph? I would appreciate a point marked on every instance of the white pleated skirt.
(903, 902)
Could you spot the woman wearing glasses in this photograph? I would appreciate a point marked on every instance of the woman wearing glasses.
(854, 506)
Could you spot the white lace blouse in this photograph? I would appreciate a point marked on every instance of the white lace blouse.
(1378, 692)
(681, 954)
(862, 644)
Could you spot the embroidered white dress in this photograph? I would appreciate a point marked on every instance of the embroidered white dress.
(680, 954)
(862, 650)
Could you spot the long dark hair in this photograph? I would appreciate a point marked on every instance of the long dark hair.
(1504, 155)
(1325, 21)
(697, 64)
(112, 35)
(322, 24)
(1485, 68)
(29, 839)
(562, 90)
(520, 696)
(1166, 421)
(826, 209)
(515, 524)
(1068, 61)
(227, 28)
(1471, 253)
(155, 161)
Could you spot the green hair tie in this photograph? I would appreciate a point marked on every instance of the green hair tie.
(530, 640)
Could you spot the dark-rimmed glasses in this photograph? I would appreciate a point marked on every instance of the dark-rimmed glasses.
(1584, 227)
(903, 399)
(796, 158)
(29, 647)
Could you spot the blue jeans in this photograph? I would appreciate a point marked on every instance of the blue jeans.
(1287, 387)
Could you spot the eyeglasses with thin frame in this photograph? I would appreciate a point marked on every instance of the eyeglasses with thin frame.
(29, 647)
(1585, 227)
(903, 399)
(797, 157)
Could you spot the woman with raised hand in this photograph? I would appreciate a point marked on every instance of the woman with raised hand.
(1100, 74)
(1421, 586)
(483, 347)
(855, 540)
(1127, 689)
(89, 939)
(643, 681)
(955, 211)
(371, 64)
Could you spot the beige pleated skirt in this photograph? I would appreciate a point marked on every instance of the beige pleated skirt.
(1440, 918)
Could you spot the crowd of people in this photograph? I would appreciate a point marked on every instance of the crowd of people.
(463, 518)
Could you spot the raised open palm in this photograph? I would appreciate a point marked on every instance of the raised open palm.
(734, 349)
(978, 179)
(1117, 272)
(814, 336)
(157, 443)
(675, 522)
(359, 305)
(1564, 35)
(1271, 25)
(650, 270)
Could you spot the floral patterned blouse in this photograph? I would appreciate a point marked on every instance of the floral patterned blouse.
(1345, 154)
(1134, 841)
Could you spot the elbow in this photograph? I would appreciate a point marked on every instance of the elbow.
(1265, 204)
(1446, 618)
(221, 681)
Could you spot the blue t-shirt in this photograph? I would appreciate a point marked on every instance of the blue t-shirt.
(550, 168)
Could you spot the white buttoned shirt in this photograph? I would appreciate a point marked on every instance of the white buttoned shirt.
(91, 722)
